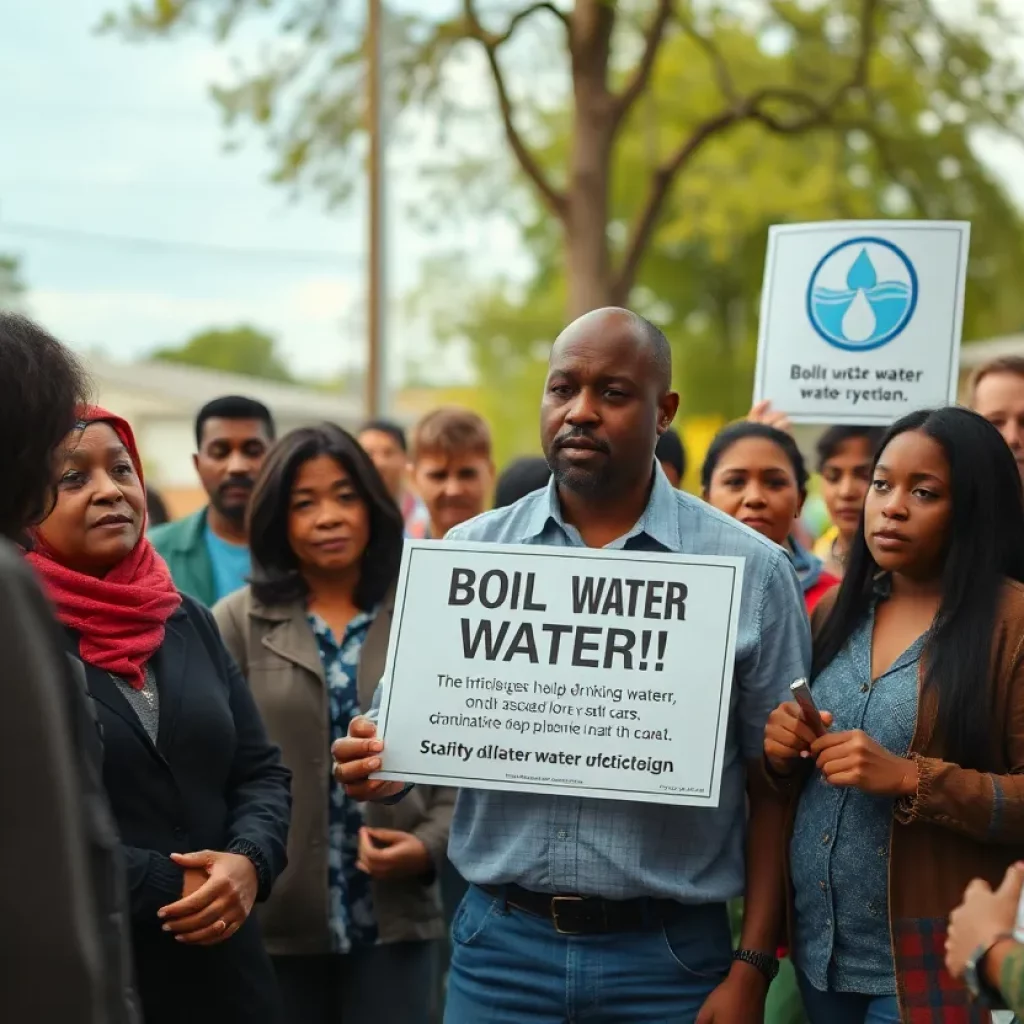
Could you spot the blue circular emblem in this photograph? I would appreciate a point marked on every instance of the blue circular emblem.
(862, 294)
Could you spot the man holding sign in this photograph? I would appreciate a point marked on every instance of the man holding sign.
(614, 910)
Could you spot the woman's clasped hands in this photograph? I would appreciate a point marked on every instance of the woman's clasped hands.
(218, 893)
(847, 758)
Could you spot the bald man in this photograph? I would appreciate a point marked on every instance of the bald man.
(606, 910)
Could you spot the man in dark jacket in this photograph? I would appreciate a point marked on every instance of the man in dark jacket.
(63, 897)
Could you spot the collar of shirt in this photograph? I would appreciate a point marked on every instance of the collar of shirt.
(322, 631)
(659, 521)
(808, 566)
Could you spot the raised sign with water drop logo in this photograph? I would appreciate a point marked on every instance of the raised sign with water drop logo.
(861, 320)
(862, 294)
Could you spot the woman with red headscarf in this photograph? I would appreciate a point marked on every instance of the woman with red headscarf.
(200, 796)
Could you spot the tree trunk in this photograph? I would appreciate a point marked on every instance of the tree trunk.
(588, 267)
(730, 331)
(588, 261)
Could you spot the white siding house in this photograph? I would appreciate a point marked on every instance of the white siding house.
(160, 401)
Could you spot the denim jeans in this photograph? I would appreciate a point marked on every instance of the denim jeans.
(509, 967)
(846, 1007)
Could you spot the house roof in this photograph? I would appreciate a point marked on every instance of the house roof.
(174, 387)
(975, 353)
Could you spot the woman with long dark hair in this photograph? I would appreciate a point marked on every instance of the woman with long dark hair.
(755, 473)
(915, 784)
(353, 926)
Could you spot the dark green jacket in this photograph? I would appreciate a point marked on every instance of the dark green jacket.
(183, 546)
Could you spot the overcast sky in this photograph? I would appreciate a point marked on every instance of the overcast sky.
(110, 139)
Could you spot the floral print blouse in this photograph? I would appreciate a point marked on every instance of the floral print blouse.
(351, 918)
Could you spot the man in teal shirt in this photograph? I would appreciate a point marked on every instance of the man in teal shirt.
(208, 552)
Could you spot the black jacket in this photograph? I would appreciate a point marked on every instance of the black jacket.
(62, 896)
(212, 781)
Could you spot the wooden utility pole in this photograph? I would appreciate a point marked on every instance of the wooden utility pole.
(376, 361)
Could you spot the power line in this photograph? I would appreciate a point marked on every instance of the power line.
(17, 105)
(48, 231)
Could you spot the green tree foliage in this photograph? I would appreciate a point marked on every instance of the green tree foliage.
(701, 273)
(241, 349)
(786, 67)
(647, 146)
(12, 287)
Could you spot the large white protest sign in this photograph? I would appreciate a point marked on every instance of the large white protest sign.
(861, 320)
(553, 670)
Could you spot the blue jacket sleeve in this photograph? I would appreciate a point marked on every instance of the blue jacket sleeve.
(154, 880)
(783, 652)
(260, 801)
(259, 787)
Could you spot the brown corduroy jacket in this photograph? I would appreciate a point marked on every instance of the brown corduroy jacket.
(278, 654)
(962, 824)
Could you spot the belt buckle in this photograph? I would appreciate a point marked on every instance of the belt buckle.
(555, 900)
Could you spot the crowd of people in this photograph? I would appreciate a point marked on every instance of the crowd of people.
(193, 832)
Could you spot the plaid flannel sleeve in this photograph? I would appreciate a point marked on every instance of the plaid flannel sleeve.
(928, 993)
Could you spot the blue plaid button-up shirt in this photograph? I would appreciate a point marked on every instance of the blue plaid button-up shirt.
(350, 901)
(615, 848)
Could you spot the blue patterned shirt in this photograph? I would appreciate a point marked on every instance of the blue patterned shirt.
(617, 848)
(351, 919)
(840, 846)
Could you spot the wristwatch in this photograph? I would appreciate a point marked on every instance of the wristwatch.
(974, 977)
(764, 962)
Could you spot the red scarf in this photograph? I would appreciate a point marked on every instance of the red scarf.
(120, 617)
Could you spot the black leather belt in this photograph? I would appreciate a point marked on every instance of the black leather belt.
(589, 915)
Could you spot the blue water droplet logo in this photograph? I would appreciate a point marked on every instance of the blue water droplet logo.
(862, 274)
(862, 294)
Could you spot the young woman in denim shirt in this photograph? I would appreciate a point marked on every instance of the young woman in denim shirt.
(915, 787)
